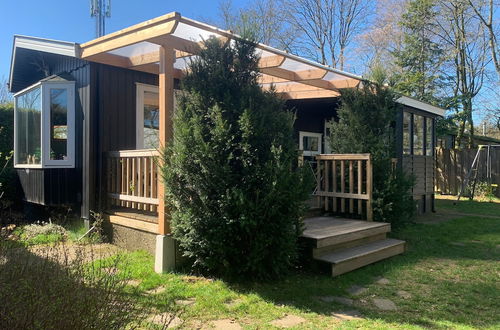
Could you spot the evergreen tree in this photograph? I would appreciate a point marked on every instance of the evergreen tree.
(420, 56)
(233, 187)
(366, 125)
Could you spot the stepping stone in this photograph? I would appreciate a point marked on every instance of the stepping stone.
(165, 319)
(384, 304)
(348, 315)
(132, 282)
(288, 321)
(225, 324)
(457, 243)
(340, 300)
(382, 280)
(185, 302)
(356, 290)
(157, 290)
(403, 294)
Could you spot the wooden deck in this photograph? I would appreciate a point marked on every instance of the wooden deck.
(348, 244)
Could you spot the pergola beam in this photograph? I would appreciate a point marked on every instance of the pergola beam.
(271, 61)
(314, 94)
(143, 59)
(145, 31)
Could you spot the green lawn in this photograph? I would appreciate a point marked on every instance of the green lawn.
(451, 272)
(447, 204)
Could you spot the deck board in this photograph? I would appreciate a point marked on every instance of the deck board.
(325, 227)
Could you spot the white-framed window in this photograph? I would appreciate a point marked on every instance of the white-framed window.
(147, 116)
(44, 125)
(310, 143)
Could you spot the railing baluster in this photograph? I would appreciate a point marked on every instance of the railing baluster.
(342, 185)
(360, 186)
(327, 182)
(351, 186)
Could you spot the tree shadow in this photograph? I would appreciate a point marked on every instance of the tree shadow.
(438, 273)
(51, 290)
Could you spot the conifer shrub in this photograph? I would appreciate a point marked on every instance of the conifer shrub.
(367, 124)
(233, 185)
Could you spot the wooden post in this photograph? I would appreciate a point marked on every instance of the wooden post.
(166, 108)
(369, 189)
(327, 181)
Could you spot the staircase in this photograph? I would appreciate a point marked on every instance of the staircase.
(347, 244)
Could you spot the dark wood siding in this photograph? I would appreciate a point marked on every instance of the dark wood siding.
(32, 185)
(116, 92)
(114, 117)
(311, 114)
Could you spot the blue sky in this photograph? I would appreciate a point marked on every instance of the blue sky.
(70, 20)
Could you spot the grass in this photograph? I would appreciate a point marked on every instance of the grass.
(465, 206)
(450, 270)
(74, 230)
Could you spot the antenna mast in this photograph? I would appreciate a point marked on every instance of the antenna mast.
(100, 9)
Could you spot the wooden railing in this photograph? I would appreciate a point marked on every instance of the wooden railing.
(132, 179)
(345, 184)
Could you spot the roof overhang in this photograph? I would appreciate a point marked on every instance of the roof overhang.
(40, 44)
(414, 103)
(137, 48)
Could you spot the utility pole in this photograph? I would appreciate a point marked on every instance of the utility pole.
(100, 9)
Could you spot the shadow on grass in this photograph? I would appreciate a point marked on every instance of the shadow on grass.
(450, 269)
(51, 289)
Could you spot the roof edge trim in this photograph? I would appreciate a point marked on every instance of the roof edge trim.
(414, 103)
(41, 44)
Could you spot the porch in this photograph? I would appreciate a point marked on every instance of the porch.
(344, 187)
(133, 179)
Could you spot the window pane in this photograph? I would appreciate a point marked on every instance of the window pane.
(151, 120)
(429, 148)
(58, 124)
(310, 143)
(418, 135)
(406, 133)
(28, 125)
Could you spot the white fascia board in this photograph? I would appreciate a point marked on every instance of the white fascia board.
(411, 102)
(46, 45)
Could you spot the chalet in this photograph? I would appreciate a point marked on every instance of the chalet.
(90, 118)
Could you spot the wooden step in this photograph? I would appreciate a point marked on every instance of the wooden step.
(349, 244)
(359, 256)
(327, 231)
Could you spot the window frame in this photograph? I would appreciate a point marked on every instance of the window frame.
(310, 153)
(139, 110)
(45, 161)
(413, 116)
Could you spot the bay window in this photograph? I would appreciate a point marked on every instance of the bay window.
(44, 125)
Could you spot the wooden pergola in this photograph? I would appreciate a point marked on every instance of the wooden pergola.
(164, 46)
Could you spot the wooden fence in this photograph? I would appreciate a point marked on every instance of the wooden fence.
(132, 179)
(345, 184)
(452, 167)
